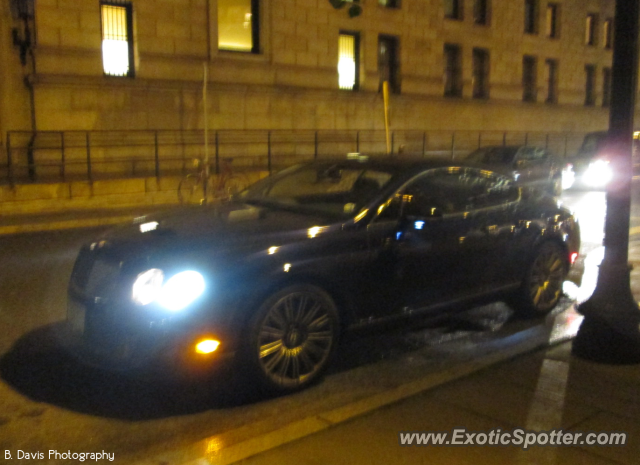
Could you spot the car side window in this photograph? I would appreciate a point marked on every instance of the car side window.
(541, 154)
(421, 196)
(491, 190)
(450, 190)
(431, 193)
(526, 153)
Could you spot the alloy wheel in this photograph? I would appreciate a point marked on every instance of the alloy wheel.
(296, 337)
(546, 278)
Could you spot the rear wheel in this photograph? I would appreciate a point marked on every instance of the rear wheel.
(292, 338)
(542, 286)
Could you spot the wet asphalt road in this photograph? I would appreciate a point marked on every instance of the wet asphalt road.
(47, 401)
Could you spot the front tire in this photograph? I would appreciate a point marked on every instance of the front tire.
(541, 288)
(292, 338)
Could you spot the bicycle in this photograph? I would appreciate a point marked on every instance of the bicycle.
(191, 188)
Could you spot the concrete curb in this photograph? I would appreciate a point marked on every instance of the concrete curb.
(222, 450)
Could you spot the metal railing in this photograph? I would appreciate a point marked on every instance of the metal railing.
(52, 156)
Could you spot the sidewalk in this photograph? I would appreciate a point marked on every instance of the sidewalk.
(545, 390)
(540, 391)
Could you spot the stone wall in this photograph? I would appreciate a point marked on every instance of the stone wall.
(293, 82)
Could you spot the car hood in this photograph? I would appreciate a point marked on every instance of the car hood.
(215, 226)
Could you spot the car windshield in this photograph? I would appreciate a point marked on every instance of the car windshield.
(593, 142)
(340, 190)
(493, 155)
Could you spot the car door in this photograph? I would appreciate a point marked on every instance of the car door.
(429, 244)
(497, 208)
(542, 165)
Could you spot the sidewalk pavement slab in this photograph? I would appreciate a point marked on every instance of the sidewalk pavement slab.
(539, 391)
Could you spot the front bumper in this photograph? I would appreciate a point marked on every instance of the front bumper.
(99, 336)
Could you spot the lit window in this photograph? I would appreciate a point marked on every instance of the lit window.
(238, 25)
(348, 61)
(117, 46)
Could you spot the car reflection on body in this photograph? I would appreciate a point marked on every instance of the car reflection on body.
(530, 166)
(273, 277)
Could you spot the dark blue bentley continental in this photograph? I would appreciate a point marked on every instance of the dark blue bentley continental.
(274, 276)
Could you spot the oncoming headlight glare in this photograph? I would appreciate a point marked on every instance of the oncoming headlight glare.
(173, 294)
(598, 173)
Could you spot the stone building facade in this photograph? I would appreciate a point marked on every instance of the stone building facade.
(518, 65)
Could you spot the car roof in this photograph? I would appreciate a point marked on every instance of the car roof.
(393, 163)
(409, 164)
(511, 146)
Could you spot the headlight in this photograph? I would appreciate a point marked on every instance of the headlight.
(598, 173)
(175, 294)
(568, 176)
(181, 289)
(147, 286)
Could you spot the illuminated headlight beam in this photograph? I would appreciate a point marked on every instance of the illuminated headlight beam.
(598, 174)
(174, 294)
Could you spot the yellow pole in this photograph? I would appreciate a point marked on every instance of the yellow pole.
(385, 97)
(206, 133)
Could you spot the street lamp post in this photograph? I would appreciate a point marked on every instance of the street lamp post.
(610, 330)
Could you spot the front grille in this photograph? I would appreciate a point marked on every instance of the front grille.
(95, 274)
(102, 278)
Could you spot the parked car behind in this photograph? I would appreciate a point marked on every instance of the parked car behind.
(273, 277)
(529, 165)
(591, 163)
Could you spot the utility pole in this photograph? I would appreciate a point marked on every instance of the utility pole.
(610, 330)
(207, 173)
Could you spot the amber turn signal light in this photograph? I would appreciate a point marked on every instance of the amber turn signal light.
(206, 346)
